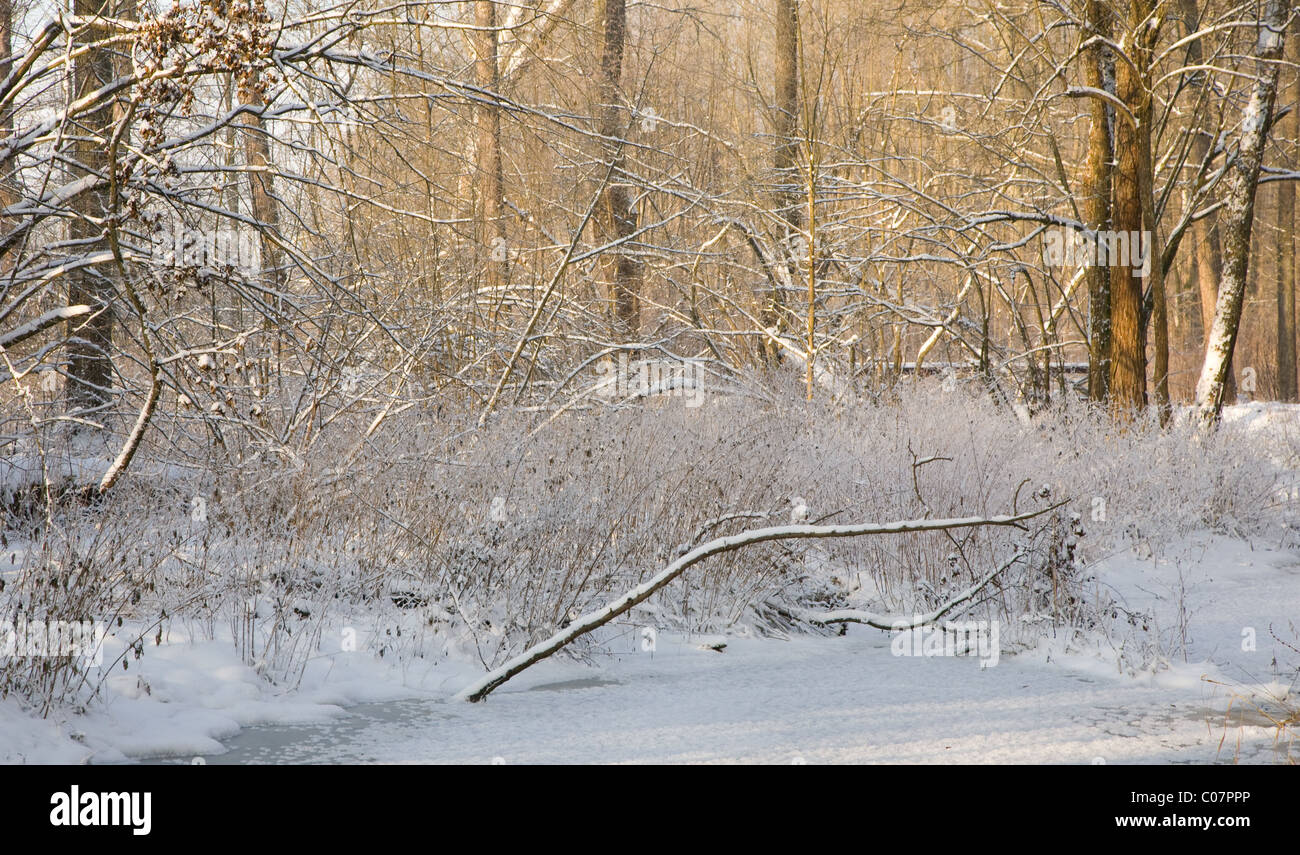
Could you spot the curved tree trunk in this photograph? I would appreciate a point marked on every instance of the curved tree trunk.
(1239, 213)
(484, 685)
(1205, 232)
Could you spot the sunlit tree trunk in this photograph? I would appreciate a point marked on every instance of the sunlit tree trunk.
(620, 206)
(229, 145)
(1286, 326)
(257, 154)
(785, 157)
(1239, 213)
(1205, 232)
(1153, 248)
(258, 163)
(491, 182)
(1128, 390)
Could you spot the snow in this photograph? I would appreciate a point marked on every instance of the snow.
(183, 697)
(810, 699)
(1263, 415)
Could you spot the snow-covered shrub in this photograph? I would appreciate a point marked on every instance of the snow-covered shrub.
(438, 535)
(78, 567)
(512, 529)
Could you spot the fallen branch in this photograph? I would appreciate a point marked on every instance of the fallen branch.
(481, 688)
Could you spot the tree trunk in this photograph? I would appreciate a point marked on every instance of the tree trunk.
(90, 345)
(233, 316)
(1239, 213)
(620, 207)
(491, 182)
(8, 195)
(1128, 388)
(1209, 266)
(1286, 332)
(785, 158)
(1209, 261)
(1153, 248)
(257, 157)
(1099, 73)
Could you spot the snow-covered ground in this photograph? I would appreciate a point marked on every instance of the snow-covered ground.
(814, 700)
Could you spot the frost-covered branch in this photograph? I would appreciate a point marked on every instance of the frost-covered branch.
(44, 322)
(481, 688)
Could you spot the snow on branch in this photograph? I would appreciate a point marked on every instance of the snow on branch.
(44, 322)
(482, 687)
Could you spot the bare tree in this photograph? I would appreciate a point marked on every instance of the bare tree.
(7, 194)
(1127, 384)
(90, 341)
(620, 215)
(1205, 232)
(785, 158)
(1099, 74)
(1287, 387)
(491, 183)
(1239, 211)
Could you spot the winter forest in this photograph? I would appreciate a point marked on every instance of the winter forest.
(600, 381)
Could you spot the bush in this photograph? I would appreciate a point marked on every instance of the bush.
(496, 536)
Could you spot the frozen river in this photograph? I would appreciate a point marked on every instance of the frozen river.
(812, 700)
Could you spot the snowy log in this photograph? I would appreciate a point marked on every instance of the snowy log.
(482, 687)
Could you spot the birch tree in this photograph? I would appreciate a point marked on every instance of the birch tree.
(1204, 150)
(1239, 211)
